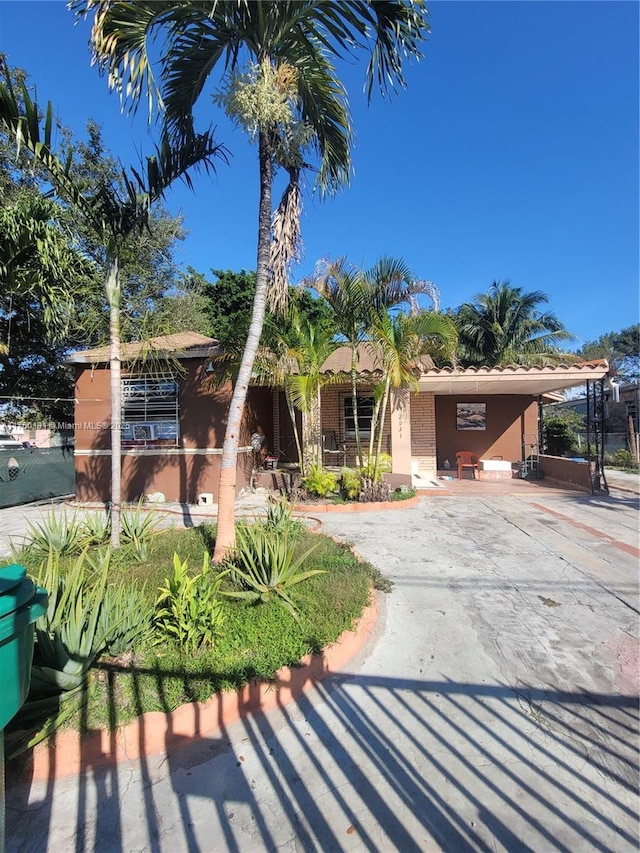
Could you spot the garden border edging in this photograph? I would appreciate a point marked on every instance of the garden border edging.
(355, 506)
(156, 732)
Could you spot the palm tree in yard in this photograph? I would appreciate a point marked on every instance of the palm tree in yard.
(400, 342)
(114, 213)
(505, 326)
(304, 384)
(357, 300)
(276, 64)
(298, 349)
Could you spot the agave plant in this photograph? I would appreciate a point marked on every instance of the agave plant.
(97, 528)
(138, 527)
(84, 619)
(68, 636)
(265, 565)
(57, 532)
(279, 520)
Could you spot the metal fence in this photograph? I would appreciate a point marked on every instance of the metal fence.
(612, 441)
(35, 474)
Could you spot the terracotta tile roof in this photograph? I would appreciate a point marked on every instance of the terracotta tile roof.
(180, 345)
(514, 379)
(596, 366)
(369, 360)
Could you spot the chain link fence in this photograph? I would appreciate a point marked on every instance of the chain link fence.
(35, 474)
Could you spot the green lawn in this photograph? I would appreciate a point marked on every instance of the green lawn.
(256, 639)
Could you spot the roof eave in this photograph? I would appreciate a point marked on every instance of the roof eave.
(517, 380)
(148, 356)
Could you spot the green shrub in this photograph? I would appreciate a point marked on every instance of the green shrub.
(189, 610)
(264, 564)
(403, 493)
(349, 484)
(623, 458)
(373, 468)
(561, 430)
(319, 481)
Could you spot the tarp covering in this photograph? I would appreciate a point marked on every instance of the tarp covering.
(33, 475)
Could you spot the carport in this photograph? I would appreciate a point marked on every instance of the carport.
(496, 413)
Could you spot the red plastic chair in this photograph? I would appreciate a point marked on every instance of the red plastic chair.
(466, 459)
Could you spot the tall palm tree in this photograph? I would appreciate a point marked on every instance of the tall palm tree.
(303, 386)
(400, 342)
(276, 61)
(345, 290)
(113, 214)
(294, 361)
(505, 326)
(358, 298)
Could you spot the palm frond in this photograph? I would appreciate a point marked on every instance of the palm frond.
(504, 326)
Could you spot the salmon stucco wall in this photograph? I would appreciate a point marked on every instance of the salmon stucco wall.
(181, 473)
(509, 418)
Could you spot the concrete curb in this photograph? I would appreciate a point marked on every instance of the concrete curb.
(155, 733)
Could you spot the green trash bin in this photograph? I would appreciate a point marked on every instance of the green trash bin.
(21, 603)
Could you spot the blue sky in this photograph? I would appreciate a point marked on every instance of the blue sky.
(513, 154)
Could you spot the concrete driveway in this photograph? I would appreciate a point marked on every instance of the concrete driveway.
(495, 709)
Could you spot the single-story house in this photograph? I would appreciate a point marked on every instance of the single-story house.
(174, 417)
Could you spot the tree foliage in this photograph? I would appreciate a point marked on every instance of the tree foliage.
(621, 349)
(53, 266)
(561, 428)
(35, 384)
(358, 298)
(505, 326)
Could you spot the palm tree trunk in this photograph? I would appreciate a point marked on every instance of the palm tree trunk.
(318, 420)
(112, 287)
(375, 426)
(226, 535)
(296, 435)
(354, 403)
(308, 440)
(383, 414)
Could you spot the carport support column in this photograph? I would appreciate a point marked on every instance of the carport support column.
(401, 431)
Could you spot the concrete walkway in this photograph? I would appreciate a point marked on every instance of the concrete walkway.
(15, 522)
(496, 708)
